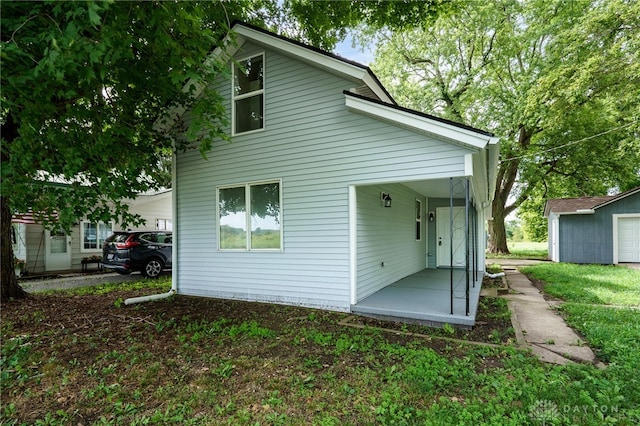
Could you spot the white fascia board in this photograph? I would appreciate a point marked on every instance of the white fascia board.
(581, 211)
(375, 87)
(468, 165)
(461, 136)
(326, 62)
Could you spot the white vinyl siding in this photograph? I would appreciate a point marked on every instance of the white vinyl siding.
(318, 149)
(387, 245)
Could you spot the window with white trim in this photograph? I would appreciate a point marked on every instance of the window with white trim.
(248, 94)
(93, 234)
(164, 225)
(418, 220)
(250, 216)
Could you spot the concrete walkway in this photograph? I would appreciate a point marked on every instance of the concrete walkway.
(537, 324)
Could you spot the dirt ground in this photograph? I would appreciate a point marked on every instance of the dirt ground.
(79, 330)
(107, 313)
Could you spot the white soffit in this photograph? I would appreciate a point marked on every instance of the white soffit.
(458, 135)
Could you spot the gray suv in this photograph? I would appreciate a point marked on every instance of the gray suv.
(146, 251)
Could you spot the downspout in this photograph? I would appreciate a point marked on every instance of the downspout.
(149, 298)
(498, 275)
(174, 254)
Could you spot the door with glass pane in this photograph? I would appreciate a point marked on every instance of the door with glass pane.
(58, 251)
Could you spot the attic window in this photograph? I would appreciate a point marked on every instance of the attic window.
(248, 94)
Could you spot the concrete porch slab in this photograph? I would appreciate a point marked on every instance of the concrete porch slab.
(425, 298)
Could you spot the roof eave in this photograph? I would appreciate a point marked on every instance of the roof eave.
(457, 135)
(315, 57)
(576, 212)
(618, 197)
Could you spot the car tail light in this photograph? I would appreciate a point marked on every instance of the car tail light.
(127, 244)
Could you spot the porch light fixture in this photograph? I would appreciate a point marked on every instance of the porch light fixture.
(431, 217)
(385, 197)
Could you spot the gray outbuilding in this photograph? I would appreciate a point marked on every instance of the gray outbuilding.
(604, 229)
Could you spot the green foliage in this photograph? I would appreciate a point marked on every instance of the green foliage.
(89, 93)
(250, 329)
(162, 283)
(324, 23)
(614, 331)
(524, 250)
(514, 231)
(556, 81)
(14, 360)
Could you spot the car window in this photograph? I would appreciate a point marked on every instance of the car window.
(157, 237)
(150, 238)
(117, 238)
(164, 237)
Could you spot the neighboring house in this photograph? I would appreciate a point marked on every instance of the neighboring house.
(46, 251)
(330, 192)
(602, 230)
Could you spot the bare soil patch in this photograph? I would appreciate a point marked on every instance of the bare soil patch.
(91, 352)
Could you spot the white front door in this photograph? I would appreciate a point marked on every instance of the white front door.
(58, 251)
(443, 226)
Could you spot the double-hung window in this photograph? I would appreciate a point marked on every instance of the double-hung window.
(164, 225)
(248, 94)
(93, 235)
(250, 216)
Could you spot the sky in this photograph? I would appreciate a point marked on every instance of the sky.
(345, 50)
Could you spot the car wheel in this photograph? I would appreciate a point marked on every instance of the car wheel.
(152, 268)
(123, 271)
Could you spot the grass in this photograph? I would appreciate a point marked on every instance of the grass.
(594, 284)
(524, 250)
(602, 302)
(78, 357)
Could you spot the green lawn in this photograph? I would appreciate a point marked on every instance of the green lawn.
(83, 357)
(603, 303)
(596, 284)
(524, 250)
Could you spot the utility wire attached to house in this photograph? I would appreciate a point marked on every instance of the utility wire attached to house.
(568, 144)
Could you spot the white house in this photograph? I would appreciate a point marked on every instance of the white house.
(330, 193)
(46, 251)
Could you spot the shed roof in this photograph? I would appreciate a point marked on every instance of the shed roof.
(583, 204)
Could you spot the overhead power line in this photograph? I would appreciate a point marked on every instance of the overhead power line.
(569, 143)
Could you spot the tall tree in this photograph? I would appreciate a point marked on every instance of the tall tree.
(557, 81)
(83, 87)
(325, 23)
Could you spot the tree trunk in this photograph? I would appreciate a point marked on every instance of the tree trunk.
(10, 287)
(497, 229)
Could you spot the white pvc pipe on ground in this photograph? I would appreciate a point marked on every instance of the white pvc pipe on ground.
(149, 298)
(498, 275)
